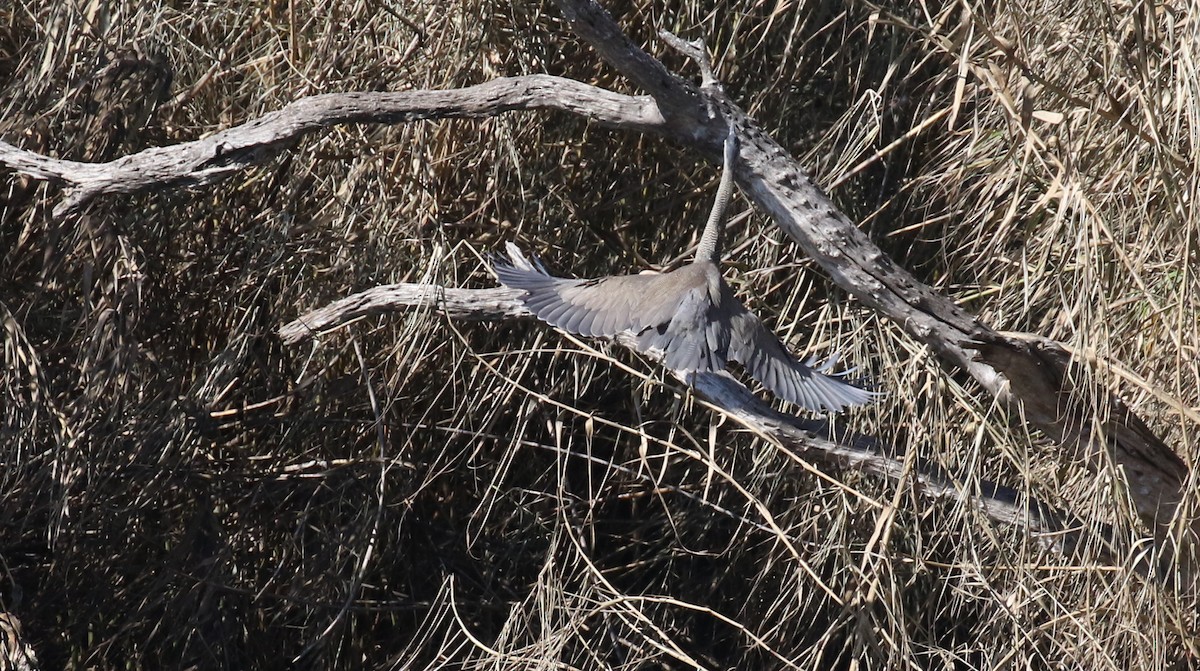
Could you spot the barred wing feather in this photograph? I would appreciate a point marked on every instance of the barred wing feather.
(674, 313)
(768, 361)
(600, 307)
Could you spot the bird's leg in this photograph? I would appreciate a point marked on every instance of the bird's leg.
(676, 411)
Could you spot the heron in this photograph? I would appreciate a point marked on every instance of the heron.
(689, 315)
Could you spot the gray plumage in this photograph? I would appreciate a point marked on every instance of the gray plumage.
(689, 314)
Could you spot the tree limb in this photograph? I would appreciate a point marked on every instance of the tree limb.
(813, 439)
(1032, 375)
(229, 151)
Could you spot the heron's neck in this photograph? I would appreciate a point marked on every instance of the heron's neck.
(709, 248)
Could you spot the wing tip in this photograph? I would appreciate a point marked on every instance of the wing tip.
(852, 396)
(813, 386)
(511, 269)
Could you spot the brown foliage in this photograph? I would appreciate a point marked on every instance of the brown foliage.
(179, 488)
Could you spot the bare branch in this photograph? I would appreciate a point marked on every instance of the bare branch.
(812, 439)
(695, 50)
(471, 304)
(221, 154)
(676, 97)
(1031, 374)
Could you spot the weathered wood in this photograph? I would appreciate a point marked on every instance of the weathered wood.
(222, 154)
(472, 304)
(1030, 374)
(812, 439)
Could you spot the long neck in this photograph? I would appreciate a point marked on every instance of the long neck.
(709, 248)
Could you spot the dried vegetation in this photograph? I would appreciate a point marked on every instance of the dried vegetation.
(177, 488)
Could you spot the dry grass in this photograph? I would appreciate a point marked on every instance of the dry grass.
(180, 489)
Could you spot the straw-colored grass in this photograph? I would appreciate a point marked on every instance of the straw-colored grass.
(179, 489)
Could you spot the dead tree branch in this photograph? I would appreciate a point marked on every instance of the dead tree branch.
(812, 439)
(1034, 376)
(222, 154)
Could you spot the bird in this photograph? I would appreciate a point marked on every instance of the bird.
(689, 315)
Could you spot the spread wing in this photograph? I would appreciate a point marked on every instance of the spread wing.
(769, 362)
(600, 307)
(668, 312)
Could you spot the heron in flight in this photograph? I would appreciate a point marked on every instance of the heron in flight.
(689, 314)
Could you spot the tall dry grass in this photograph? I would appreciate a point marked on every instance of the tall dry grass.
(179, 489)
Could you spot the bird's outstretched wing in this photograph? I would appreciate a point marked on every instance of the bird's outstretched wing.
(600, 307)
(668, 312)
(805, 384)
